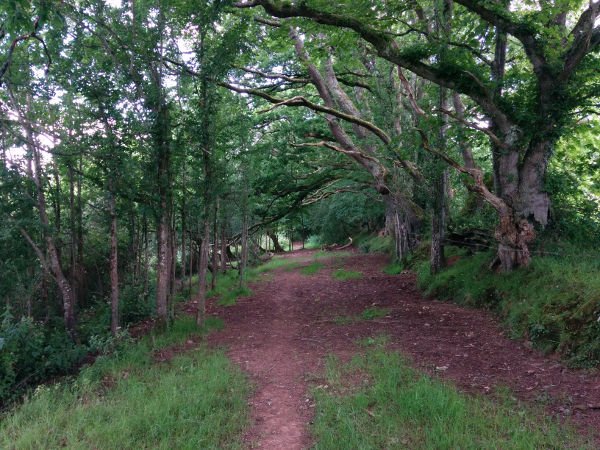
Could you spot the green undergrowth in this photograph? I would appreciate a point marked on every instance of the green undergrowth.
(127, 400)
(369, 243)
(374, 313)
(335, 255)
(312, 268)
(554, 303)
(228, 289)
(394, 268)
(273, 264)
(367, 314)
(344, 275)
(377, 401)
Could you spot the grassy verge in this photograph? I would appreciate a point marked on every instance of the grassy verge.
(344, 275)
(377, 401)
(228, 289)
(126, 400)
(367, 314)
(554, 303)
(394, 268)
(312, 268)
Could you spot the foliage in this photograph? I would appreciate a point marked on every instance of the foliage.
(127, 400)
(228, 290)
(370, 243)
(378, 401)
(394, 268)
(574, 182)
(344, 215)
(30, 353)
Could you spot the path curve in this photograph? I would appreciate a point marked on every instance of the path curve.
(281, 335)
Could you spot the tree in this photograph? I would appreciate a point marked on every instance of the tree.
(555, 46)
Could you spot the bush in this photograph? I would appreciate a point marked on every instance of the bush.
(30, 353)
(135, 304)
(375, 244)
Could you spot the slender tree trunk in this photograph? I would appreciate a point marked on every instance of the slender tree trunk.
(243, 261)
(191, 239)
(52, 263)
(163, 272)
(203, 271)
(215, 262)
(163, 148)
(57, 195)
(223, 247)
(173, 259)
(440, 188)
(114, 267)
(146, 257)
(438, 223)
(183, 243)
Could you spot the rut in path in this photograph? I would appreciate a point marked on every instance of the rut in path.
(282, 333)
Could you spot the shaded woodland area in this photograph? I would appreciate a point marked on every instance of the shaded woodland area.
(149, 147)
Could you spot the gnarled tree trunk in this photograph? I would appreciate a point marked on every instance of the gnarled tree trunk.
(276, 245)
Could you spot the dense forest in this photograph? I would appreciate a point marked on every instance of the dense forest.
(150, 147)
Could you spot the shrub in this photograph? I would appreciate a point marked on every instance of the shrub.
(30, 353)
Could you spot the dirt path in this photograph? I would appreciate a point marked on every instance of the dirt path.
(282, 333)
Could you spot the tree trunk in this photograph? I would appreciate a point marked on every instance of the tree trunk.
(163, 272)
(243, 261)
(223, 248)
(440, 188)
(162, 142)
(215, 253)
(401, 223)
(183, 243)
(53, 263)
(438, 223)
(514, 235)
(114, 268)
(146, 257)
(276, 245)
(202, 274)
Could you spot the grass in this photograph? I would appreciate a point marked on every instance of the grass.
(228, 289)
(126, 400)
(273, 264)
(554, 303)
(312, 242)
(367, 314)
(380, 340)
(344, 275)
(344, 320)
(377, 401)
(394, 268)
(374, 313)
(312, 268)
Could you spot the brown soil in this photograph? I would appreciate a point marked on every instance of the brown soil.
(281, 334)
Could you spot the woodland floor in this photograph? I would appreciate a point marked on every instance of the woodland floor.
(281, 335)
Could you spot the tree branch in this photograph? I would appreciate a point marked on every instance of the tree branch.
(38, 252)
(383, 43)
(301, 101)
(502, 19)
(585, 38)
